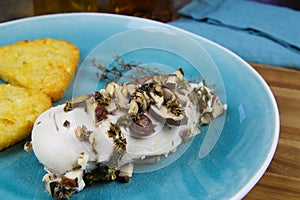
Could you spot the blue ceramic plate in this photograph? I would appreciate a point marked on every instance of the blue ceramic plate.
(224, 162)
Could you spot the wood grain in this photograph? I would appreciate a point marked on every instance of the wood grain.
(282, 178)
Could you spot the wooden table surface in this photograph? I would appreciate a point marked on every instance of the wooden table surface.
(282, 178)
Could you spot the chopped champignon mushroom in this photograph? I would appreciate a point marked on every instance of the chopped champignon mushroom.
(110, 89)
(76, 102)
(168, 93)
(171, 82)
(185, 134)
(159, 100)
(171, 119)
(64, 187)
(122, 95)
(131, 87)
(83, 160)
(82, 133)
(179, 73)
(126, 172)
(28, 146)
(133, 108)
(218, 108)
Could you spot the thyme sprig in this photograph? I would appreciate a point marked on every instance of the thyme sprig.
(119, 70)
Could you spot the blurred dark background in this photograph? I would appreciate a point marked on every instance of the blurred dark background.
(15, 9)
(294, 4)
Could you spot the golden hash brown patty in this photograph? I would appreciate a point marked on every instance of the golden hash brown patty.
(19, 108)
(44, 64)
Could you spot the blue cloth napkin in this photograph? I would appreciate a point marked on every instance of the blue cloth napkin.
(257, 32)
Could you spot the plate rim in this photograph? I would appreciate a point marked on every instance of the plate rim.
(260, 172)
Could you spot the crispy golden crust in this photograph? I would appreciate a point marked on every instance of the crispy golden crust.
(46, 64)
(19, 107)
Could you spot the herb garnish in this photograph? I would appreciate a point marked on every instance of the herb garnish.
(120, 68)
